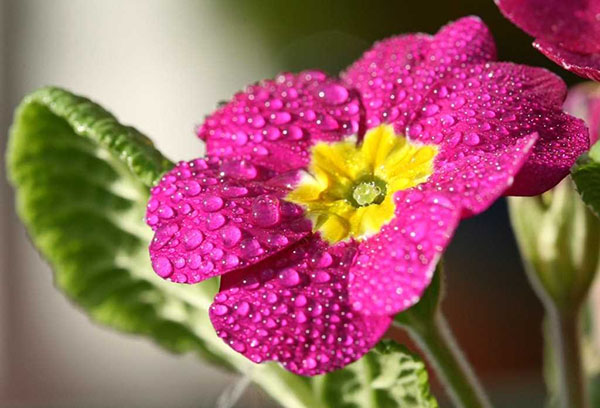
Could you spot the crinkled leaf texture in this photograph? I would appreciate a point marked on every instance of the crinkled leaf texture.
(586, 175)
(388, 376)
(82, 182)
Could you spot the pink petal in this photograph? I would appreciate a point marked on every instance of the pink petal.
(274, 123)
(584, 65)
(570, 24)
(395, 74)
(211, 217)
(486, 119)
(583, 101)
(395, 266)
(465, 41)
(294, 309)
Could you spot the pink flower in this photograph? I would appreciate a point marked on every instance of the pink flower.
(583, 101)
(324, 204)
(566, 31)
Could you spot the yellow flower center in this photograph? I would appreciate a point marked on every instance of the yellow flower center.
(349, 189)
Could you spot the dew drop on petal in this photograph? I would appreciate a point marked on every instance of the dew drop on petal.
(212, 203)
(265, 211)
(333, 94)
(215, 221)
(162, 266)
(231, 235)
(192, 239)
(289, 277)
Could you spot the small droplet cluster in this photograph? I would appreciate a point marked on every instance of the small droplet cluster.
(395, 75)
(394, 267)
(274, 122)
(212, 216)
(491, 117)
(295, 309)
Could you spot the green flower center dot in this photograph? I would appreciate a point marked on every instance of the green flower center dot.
(368, 191)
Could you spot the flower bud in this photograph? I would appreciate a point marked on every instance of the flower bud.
(559, 240)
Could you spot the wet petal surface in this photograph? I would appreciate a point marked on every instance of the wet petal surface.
(571, 24)
(567, 32)
(394, 267)
(295, 309)
(497, 123)
(274, 122)
(211, 217)
(584, 65)
(395, 74)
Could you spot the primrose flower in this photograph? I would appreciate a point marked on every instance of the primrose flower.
(566, 31)
(583, 101)
(324, 204)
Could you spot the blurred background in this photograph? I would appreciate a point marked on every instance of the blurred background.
(162, 65)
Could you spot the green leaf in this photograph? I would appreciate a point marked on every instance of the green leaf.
(388, 376)
(586, 175)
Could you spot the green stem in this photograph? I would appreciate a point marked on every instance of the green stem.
(436, 340)
(565, 331)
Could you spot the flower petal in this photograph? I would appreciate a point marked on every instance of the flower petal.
(396, 73)
(583, 101)
(584, 65)
(395, 266)
(294, 309)
(570, 24)
(211, 217)
(486, 119)
(275, 122)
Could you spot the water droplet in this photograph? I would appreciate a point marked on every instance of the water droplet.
(192, 239)
(472, 139)
(300, 301)
(265, 211)
(220, 310)
(294, 132)
(162, 266)
(166, 211)
(257, 121)
(431, 110)
(250, 248)
(243, 308)
(232, 191)
(192, 188)
(322, 277)
(231, 261)
(333, 94)
(280, 118)
(215, 221)
(212, 203)
(289, 277)
(231, 235)
(153, 204)
(277, 240)
(239, 169)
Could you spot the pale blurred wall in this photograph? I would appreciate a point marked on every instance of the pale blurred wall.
(160, 66)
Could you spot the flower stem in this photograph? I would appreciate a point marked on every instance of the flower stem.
(565, 330)
(437, 342)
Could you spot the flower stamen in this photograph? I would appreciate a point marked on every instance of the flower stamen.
(349, 189)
